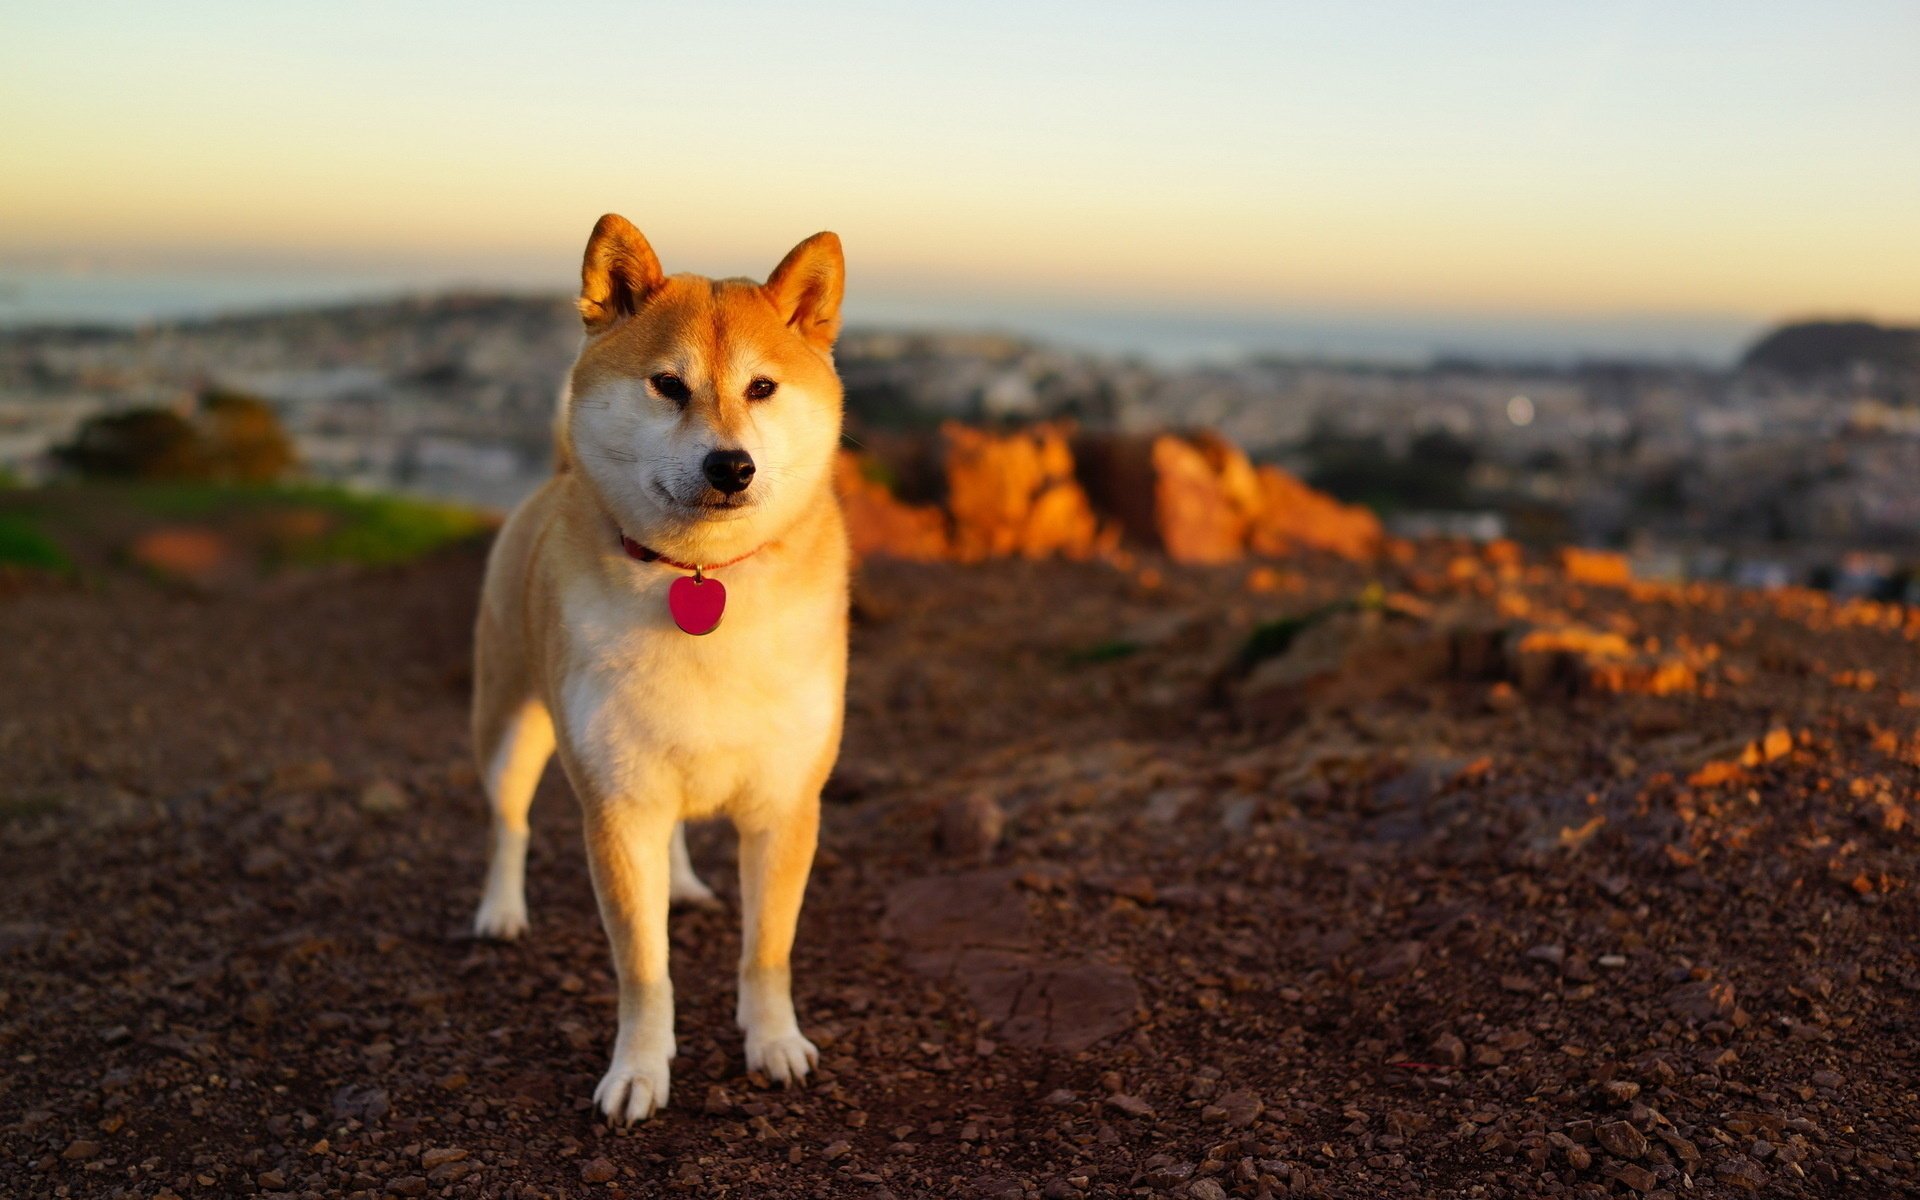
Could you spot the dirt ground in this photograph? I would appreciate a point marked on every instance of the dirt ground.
(1097, 912)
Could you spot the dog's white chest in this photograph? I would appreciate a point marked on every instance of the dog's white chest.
(740, 715)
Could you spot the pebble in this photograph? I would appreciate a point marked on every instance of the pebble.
(383, 797)
(1621, 1139)
(597, 1170)
(972, 825)
(1132, 1106)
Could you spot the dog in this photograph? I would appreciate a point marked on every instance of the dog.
(669, 612)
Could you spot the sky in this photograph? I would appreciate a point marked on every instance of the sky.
(1618, 161)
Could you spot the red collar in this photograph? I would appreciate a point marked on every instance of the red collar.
(647, 554)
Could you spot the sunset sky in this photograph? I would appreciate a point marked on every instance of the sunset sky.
(1752, 159)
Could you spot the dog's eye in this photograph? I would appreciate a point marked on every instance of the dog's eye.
(761, 388)
(671, 387)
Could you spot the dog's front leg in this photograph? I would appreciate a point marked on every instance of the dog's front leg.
(775, 857)
(627, 847)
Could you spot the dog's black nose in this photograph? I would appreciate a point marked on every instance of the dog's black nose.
(729, 470)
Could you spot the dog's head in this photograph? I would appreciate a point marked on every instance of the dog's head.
(705, 412)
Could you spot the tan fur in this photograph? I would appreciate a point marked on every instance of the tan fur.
(576, 652)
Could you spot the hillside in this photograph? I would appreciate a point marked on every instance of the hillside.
(1809, 348)
(1438, 873)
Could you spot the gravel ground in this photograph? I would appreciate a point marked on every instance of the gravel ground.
(1100, 910)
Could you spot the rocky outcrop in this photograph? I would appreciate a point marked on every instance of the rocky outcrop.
(1044, 492)
(877, 523)
(1015, 495)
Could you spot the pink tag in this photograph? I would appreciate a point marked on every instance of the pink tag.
(696, 604)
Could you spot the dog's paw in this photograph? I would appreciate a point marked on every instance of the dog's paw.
(784, 1058)
(689, 892)
(501, 918)
(631, 1092)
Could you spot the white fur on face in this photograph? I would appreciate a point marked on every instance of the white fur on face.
(644, 455)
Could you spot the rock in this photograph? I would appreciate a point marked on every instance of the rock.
(1578, 1157)
(383, 797)
(433, 1158)
(1828, 1079)
(1620, 1139)
(184, 553)
(1450, 1050)
(271, 1181)
(80, 1150)
(1396, 960)
(878, 525)
(1206, 1189)
(836, 1149)
(1633, 1175)
(1054, 1005)
(1600, 568)
(999, 1186)
(1235, 1110)
(597, 1170)
(408, 1185)
(363, 1104)
(1702, 1000)
(1742, 1172)
(1132, 1106)
(971, 825)
(1161, 1171)
(1015, 494)
(1293, 517)
(1620, 1091)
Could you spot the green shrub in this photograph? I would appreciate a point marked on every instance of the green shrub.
(23, 545)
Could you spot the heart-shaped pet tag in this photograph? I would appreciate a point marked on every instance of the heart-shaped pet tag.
(696, 604)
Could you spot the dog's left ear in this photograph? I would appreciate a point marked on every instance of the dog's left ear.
(806, 287)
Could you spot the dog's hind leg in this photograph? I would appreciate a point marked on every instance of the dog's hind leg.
(513, 747)
(687, 887)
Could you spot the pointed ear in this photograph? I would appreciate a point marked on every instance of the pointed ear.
(617, 274)
(806, 288)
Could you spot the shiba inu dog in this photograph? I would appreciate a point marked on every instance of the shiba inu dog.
(669, 612)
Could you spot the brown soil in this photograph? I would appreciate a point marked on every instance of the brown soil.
(1460, 930)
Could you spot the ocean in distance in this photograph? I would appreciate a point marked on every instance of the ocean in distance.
(1170, 338)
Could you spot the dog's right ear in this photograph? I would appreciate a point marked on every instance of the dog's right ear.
(617, 274)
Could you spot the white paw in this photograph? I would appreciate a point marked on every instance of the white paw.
(688, 892)
(785, 1058)
(633, 1091)
(499, 917)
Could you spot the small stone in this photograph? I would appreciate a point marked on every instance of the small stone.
(1702, 1000)
(1487, 1056)
(1743, 1173)
(1132, 1106)
(1059, 1098)
(1450, 1049)
(408, 1185)
(597, 1170)
(1551, 955)
(1206, 1189)
(1620, 1091)
(272, 1181)
(433, 1158)
(1620, 1139)
(839, 1149)
(383, 797)
(718, 1102)
(1578, 1157)
(1164, 1172)
(1633, 1175)
(116, 1035)
(1828, 1079)
(1396, 960)
(81, 1149)
(972, 825)
(1234, 1110)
